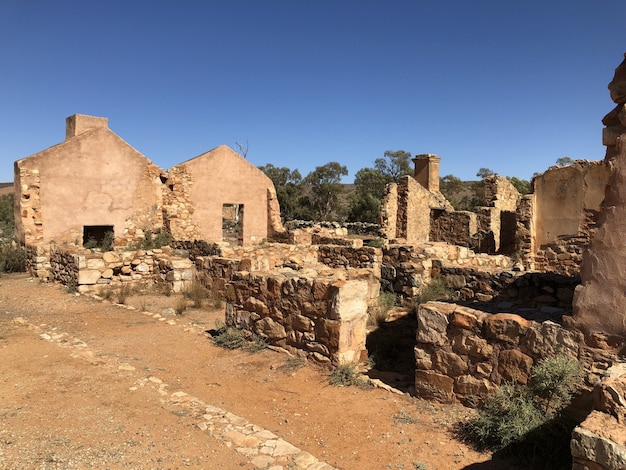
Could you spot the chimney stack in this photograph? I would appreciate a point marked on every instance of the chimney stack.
(79, 123)
(427, 171)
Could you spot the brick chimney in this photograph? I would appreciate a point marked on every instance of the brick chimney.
(79, 123)
(427, 171)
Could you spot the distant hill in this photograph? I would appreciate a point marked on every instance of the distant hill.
(6, 188)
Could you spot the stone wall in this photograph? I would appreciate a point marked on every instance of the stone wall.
(533, 295)
(599, 301)
(321, 318)
(89, 272)
(178, 205)
(406, 268)
(456, 228)
(465, 354)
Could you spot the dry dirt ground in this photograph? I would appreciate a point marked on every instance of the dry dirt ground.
(85, 383)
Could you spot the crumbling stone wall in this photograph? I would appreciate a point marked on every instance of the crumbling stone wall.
(407, 268)
(599, 302)
(405, 211)
(456, 228)
(534, 295)
(318, 317)
(178, 205)
(89, 272)
(465, 354)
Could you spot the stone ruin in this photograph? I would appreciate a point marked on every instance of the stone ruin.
(533, 275)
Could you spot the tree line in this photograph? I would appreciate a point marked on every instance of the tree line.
(320, 195)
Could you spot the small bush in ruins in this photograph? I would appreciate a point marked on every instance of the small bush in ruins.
(151, 241)
(12, 259)
(197, 293)
(527, 421)
(123, 292)
(233, 338)
(436, 290)
(346, 375)
(378, 313)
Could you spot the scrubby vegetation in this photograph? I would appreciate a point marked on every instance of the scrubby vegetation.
(12, 257)
(527, 421)
(435, 290)
(347, 375)
(233, 338)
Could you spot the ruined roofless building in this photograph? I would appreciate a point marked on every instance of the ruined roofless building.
(94, 182)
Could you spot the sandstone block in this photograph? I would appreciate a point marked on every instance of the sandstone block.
(431, 325)
(422, 359)
(88, 276)
(600, 439)
(513, 365)
(107, 273)
(505, 327)
(549, 339)
(463, 319)
(348, 300)
(255, 305)
(301, 323)
(478, 347)
(142, 268)
(110, 257)
(431, 385)
(449, 363)
(178, 263)
(270, 329)
(471, 386)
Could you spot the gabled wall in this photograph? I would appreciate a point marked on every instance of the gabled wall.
(92, 178)
(197, 190)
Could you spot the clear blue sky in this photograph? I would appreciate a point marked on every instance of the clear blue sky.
(507, 85)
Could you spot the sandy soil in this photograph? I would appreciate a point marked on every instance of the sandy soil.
(82, 386)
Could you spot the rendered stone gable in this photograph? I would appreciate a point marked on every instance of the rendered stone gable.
(93, 178)
(201, 186)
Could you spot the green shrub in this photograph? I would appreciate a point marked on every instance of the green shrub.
(553, 381)
(378, 313)
(229, 338)
(233, 338)
(346, 375)
(376, 243)
(107, 241)
(7, 221)
(435, 290)
(505, 417)
(152, 240)
(12, 258)
(255, 344)
(528, 420)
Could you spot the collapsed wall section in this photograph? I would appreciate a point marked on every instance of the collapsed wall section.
(322, 318)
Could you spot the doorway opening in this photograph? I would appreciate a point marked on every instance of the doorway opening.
(232, 223)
